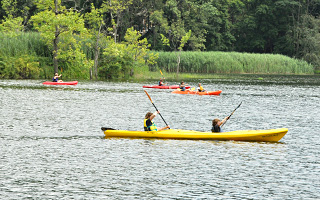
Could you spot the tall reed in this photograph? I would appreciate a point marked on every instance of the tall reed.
(26, 43)
(24, 56)
(232, 62)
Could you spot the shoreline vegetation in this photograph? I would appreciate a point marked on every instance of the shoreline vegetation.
(26, 56)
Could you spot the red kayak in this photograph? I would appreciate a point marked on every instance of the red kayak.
(196, 92)
(60, 83)
(164, 86)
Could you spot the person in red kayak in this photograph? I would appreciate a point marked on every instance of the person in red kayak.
(56, 78)
(149, 124)
(216, 124)
(161, 83)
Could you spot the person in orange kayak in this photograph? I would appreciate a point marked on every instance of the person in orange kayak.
(182, 86)
(56, 78)
(216, 124)
(200, 88)
(149, 125)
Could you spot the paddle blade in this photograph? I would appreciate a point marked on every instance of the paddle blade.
(106, 128)
(161, 72)
(148, 96)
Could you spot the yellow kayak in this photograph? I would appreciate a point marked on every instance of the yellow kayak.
(271, 135)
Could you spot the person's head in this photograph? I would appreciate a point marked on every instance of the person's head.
(160, 79)
(56, 74)
(216, 122)
(199, 84)
(182, 82)
(148, 115)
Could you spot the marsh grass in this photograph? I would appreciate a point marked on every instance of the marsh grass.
(232, 62)
(24, 56)
(28, 43)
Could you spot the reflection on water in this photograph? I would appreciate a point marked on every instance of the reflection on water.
(52, 146)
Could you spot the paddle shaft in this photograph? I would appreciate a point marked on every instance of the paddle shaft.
(231, 114)
(156, 108)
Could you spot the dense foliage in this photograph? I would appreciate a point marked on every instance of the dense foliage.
(98, 36)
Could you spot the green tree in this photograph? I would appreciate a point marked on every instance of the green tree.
(123, 57)
(116, 8)
(309, 41)
(96, 29)
(12, 23)
(175, 30)
(63, 30)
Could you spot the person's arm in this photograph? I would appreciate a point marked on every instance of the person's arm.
(224, 120)
(154, 115)
(160, 129)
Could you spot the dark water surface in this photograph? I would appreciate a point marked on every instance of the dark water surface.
(52, 146)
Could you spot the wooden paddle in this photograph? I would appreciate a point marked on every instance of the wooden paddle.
(156, 108)
(231, 114)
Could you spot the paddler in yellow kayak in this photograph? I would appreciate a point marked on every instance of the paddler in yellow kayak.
(216, 124)
(149, 124)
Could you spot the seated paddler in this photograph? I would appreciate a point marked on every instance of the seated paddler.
(161, 83)
(217, 123)
(149, 125)
(56, 78)
(200, 88)
(182, 86)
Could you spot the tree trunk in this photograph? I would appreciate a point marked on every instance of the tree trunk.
(178, 62)
(96, 55)
(96, 61)
(116, 28)
(55, 50)
(55, 42)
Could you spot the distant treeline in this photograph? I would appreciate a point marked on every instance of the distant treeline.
(109, 39)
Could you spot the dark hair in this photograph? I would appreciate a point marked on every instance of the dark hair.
(215, 122)
(148, 115)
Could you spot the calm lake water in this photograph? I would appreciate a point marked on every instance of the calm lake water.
(52, 146)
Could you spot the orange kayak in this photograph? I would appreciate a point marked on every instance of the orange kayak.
(196, 92)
